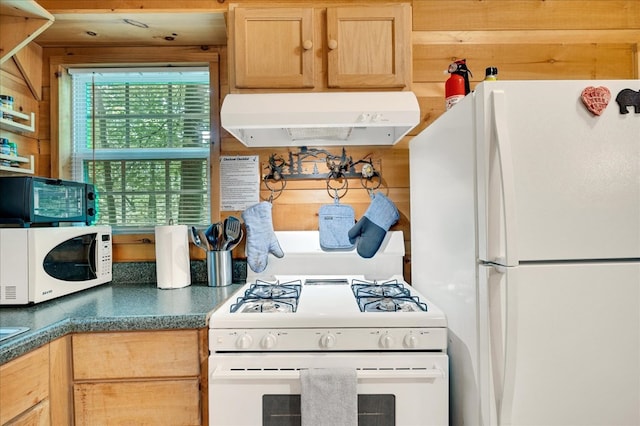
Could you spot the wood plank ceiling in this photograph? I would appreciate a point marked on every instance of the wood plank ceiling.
(122, 28)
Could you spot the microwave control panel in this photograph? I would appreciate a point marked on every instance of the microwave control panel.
(104, 254)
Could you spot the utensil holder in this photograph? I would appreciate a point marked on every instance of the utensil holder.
(219, 268)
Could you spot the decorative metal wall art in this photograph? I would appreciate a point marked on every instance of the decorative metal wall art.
(312, 163)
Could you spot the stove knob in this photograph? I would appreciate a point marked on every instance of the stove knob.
(268, 341)
(410, 341)
(244, 341)
(386, 341)
(327, 341)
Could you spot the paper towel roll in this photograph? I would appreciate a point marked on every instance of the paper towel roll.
(172, 256)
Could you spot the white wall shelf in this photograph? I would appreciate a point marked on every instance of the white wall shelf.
(26, 122)
(13, 158)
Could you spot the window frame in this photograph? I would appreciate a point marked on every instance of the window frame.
(80, 154)
(126, 247)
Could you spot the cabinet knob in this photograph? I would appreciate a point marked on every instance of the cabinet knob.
(307, 44)
(333, 44)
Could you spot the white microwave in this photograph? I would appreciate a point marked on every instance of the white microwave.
(38, 264)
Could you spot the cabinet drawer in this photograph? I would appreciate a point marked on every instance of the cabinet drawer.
(135, 354)
(161, 402)
(24, 382)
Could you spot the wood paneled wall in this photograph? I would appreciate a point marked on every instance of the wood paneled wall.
(525, 39)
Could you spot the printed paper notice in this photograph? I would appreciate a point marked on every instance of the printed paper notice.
(239, 182)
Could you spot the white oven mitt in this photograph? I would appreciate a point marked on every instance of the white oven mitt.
(261, 240)
(373, 226)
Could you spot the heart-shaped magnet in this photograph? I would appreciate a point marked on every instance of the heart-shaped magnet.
(596, 99)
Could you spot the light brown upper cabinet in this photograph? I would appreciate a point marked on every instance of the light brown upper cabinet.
(369, 46)
(351, 47)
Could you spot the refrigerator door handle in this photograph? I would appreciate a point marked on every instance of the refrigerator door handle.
(495, 295)
(503, 142)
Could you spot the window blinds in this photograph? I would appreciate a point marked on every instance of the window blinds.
(142, 137)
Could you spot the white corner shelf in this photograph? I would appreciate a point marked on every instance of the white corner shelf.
(23, 170)
(26, 123)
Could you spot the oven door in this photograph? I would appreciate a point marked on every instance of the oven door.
(402, 389)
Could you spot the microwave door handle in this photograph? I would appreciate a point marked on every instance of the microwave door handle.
(91, 255)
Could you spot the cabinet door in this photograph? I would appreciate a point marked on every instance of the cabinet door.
(369, 46)
(157, 402)
(273, 48)
(24, 383)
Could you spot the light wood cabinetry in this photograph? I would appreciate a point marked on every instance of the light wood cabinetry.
(150, 377)
(35, 388)
(274, 48)
(360, 47)
(369, 46)
(24, 388)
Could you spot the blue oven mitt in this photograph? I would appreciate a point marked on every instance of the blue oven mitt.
(373, 226)
(261, 240)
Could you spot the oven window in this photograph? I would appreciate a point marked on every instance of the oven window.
(73, 260)
(373, 410)
(57, 201)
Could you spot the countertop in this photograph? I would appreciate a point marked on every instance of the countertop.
(110, 307)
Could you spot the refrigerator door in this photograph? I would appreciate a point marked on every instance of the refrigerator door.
(556, 182)
(564, 344)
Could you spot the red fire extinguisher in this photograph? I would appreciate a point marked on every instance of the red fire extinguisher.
(457, 86)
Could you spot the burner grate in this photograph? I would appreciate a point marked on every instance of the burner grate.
(268, 297)
(390, 296)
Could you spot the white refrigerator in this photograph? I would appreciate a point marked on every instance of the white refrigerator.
(525, 230)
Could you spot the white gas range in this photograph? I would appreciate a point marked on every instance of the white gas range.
(333, 311)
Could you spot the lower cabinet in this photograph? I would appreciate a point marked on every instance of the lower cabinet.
(109, 378)
(139, 377)
(35, 388)
(24, 389)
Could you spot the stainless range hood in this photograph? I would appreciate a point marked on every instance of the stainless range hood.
(320, 118)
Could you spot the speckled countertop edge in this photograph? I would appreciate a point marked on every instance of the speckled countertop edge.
(124, 306)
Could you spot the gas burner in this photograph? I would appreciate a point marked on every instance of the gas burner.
(265, 297)
(267, 306)
(391, 304)
(373, 289)
(265, 290)
(390, 296)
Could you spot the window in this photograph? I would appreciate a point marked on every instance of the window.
(142, 137)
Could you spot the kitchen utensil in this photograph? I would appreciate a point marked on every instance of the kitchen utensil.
(205, 243)
(231, 231)
(213, 235)
(235, 242)
(196, 238)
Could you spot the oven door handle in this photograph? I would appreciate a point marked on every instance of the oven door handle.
(419, 374)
